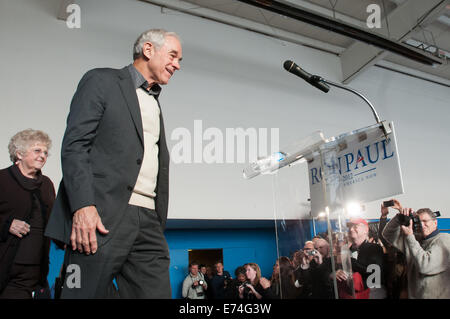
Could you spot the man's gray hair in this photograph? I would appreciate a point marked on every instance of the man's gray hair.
(426, 211)
(156, 36)
(23, 140)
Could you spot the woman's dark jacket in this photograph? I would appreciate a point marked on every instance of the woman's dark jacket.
(19, 197)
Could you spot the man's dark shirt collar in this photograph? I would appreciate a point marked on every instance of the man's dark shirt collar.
(431, 235)
(139, 81)
(354, 248)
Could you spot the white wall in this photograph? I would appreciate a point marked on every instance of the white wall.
(230, 78)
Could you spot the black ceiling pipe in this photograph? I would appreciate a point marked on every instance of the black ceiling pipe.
(342, 28)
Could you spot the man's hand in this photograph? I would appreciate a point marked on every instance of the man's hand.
(241, 291)
(407, 230)
(85, 223)
(341, 275)
(318, 258)
(385, 210)
(305, 259)
(397, 205)
(19, 228)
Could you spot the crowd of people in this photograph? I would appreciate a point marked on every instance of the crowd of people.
(406, 257)
(204, 283)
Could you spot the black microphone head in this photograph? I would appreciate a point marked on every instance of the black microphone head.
(288, 64)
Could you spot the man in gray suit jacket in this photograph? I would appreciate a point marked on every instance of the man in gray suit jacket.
(112, 202)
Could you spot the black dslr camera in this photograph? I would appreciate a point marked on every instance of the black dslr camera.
(404, 220)
(244, 284)
(417, 225)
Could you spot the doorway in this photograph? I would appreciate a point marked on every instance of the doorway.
(206, 257)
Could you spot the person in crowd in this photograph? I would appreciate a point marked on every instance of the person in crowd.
(363, 254)
(296, 259)
(275, 278)
(307, 248)
(316, 238)
(209, 274)
(427, 252)
(302, 272)
(26, 200)
(240, 273)
(194, 285)
(232, 290)
(323, 247)
(395, 261)
(322, 287)
(219, 281)
(282, 282)
(313, 275)
(373, 234)
(256, 287)
(202, 269)
(111, 208)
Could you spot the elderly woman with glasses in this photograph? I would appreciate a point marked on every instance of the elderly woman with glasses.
(26, 199)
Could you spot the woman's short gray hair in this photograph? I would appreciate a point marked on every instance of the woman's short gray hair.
(23, 140)
(156, 36)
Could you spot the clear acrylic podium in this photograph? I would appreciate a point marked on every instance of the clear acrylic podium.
(314, 201)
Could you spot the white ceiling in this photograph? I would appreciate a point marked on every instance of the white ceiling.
(424, 24)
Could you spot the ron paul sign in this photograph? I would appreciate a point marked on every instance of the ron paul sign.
(360, 166)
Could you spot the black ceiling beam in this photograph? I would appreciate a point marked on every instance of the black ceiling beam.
(342, 28)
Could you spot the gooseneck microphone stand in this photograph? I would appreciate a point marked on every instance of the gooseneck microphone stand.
(386, 129)
(321, 84)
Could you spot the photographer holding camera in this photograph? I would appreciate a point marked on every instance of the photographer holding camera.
(194, 285)
(232, 291)
(426, 250)
(305, 262)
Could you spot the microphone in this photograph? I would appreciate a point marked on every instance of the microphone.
(314, 80)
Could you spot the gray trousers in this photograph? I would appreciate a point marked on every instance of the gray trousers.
(136, 257)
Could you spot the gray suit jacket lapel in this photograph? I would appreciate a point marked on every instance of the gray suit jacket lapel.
(129, 92)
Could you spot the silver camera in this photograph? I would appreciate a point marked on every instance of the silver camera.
(312, 253)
